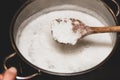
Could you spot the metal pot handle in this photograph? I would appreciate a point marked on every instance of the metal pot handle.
(117, 5)
(19, 77)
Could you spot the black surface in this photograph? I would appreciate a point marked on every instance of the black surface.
(109, 71)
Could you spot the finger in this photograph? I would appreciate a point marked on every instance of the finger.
(1, 77)
(10, 74)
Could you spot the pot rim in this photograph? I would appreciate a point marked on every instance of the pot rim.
(50, 72)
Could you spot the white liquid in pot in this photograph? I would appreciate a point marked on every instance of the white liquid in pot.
(37, 45)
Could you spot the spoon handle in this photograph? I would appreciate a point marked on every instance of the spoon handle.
(104, 29)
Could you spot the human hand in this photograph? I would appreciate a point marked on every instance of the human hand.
(9, 74)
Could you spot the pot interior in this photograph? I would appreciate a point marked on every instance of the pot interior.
(33, 10)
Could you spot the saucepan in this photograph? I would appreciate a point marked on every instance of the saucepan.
(31, 7)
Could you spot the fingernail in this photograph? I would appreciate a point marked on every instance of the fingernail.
(12, 69)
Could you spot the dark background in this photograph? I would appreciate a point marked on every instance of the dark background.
(109, 71)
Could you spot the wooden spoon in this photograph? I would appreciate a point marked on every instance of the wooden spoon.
(61, 30)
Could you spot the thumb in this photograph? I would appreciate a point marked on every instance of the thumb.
(1, 77)
(10, 74)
